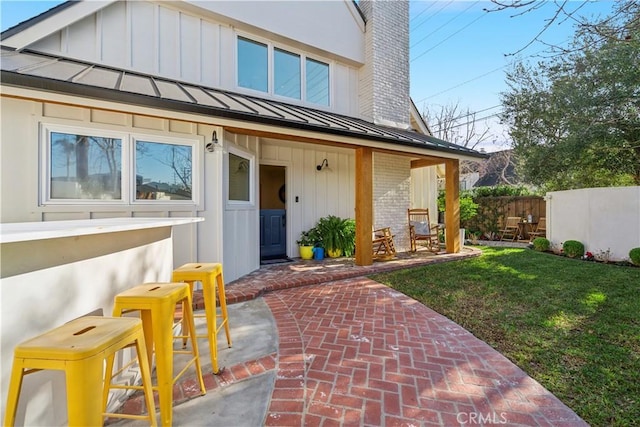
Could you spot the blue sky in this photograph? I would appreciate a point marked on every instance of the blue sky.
(457, 50)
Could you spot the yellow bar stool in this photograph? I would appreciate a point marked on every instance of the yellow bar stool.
(80, 348)
(157, 304)
(210, 275)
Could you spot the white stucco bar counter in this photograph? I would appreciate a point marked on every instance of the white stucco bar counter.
(52, 272)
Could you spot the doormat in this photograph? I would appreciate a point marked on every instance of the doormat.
(275, 261)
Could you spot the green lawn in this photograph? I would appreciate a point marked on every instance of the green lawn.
(572, 325)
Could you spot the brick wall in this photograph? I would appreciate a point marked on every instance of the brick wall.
(392, 196)
(384, 79)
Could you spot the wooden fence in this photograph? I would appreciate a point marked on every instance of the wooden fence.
(493, 211)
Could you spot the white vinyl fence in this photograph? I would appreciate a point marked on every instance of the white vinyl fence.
(605, 220)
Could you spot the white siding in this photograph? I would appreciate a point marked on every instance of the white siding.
(241, 236)
(312, 194)
(20, 169)
(199, 47)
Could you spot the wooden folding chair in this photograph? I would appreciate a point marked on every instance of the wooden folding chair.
(421, 229)
(383, 246)
(540, 230)
(511, 228)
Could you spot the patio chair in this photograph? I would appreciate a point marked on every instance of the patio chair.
(511, 229)
(540, 229)
(421, 229)
(383, 246)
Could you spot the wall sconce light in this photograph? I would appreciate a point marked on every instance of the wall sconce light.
(214, 141)
(324, 164)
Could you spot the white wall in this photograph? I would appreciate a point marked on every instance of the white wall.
(46, 283)
(333, 26)
(392, 195)
(194, 44)
(20, 170)
(312, 194)
(601, 218)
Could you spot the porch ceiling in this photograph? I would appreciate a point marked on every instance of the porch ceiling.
(61, 75)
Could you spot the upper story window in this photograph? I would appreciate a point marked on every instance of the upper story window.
(276, 71)
(253, 65)
(317, 79)
(94, 166)
(286, 73)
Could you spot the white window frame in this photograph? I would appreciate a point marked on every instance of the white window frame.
(240, 204)
(196, 162)
(127, 162)
(46, 129)
(271, 72)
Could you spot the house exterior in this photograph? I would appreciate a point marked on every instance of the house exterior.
(260, 117)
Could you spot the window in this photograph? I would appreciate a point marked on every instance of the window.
(163, 171)
(84, 167)
(317, 79)
(94, 166)
(276, 71)
(286, 74)
(239, 178)
(253, 65)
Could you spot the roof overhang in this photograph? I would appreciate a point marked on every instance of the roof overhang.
(60, 76)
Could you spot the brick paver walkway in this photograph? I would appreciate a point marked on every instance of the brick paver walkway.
(355, 352)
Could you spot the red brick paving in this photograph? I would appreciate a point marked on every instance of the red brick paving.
(354, 352)
(367, 355)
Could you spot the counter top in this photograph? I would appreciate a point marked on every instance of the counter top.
(27, 231)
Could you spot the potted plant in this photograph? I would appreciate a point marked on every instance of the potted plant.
(306, 243)
(338, 235)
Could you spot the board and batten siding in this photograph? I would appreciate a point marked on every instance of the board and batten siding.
(312, 194)
(161, 40)
(20, 171)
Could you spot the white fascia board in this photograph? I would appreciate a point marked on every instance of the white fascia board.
(75, 12)
(417, 117)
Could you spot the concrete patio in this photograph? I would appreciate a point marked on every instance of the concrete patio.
(318, 343)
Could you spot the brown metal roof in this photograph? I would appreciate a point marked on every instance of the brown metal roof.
(61, 75)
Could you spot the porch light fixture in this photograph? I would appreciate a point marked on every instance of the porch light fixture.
(214, 141)
(324, 164)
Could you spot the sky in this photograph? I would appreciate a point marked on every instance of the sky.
(459, 53)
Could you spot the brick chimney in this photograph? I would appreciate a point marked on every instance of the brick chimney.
(384, 79)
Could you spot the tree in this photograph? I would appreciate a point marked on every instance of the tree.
(575, 119)
(453, 125)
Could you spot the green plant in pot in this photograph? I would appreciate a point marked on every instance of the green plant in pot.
(338, 235)
(307, 241)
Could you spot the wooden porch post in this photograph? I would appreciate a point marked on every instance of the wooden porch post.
(452, 205)
(364, 206)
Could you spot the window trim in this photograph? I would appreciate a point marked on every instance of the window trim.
(195, 168)
(127, 168)
(240, 204)
(271, 46)
(46, 129)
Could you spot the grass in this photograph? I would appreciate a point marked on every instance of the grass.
(574, 326)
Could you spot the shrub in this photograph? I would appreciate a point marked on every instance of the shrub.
(573, 248)
(634, 255)
(541, 244)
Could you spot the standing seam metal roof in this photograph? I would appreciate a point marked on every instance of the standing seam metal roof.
(52, 73)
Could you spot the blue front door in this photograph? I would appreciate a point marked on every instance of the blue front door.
(273, 226)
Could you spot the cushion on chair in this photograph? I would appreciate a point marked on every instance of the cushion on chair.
(421, 228)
